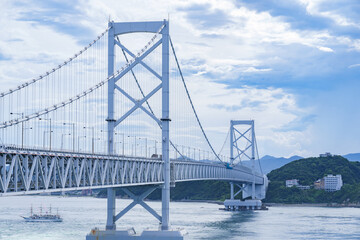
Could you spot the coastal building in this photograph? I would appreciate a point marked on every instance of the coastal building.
(329, 183)
(319, 184)
(295, 182)
(333, 183)
(327, 154)
(292, 182)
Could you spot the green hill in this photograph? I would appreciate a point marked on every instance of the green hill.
(309, 170)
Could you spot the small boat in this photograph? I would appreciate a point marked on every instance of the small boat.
(47, 217)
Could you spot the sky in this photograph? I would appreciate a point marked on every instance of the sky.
(292, 66)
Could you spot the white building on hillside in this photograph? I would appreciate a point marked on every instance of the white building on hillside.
(327, 154)
(292, 182)
(332, 183)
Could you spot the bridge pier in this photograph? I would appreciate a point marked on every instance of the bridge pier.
(110, 232)
(257, 192)
(231, 190)
(111, 206)
(238, 205)
(130, 234)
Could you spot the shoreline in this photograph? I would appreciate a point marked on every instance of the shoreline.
(330, 205)
(218, 202)
(296, 204)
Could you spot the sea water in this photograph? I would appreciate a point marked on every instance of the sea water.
(200, 220)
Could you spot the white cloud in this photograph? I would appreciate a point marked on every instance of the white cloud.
(32, 49)
(252, 70)
(325, 49)
(354, 65)
(313, 7)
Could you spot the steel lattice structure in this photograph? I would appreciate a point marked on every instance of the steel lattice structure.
(30, 172)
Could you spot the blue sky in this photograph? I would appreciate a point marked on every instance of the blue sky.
(293, 66)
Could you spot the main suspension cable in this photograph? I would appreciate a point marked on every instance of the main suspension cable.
(258, 157)
(192, 105)
(3, 94)
(227, 136)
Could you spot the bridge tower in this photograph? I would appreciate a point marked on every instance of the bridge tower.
(116, 29)
(241, 152)
(235, 137)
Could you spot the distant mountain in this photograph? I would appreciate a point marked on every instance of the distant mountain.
(269, 163)
(352, 157)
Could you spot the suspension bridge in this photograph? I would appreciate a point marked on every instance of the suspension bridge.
(110, 117)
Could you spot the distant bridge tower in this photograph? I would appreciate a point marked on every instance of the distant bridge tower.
(236, 136)
(242, 147)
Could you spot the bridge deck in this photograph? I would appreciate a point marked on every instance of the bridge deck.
(44, 171)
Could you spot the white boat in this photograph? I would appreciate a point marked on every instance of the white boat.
(47, 217)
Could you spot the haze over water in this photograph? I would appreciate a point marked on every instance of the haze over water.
(200, 220)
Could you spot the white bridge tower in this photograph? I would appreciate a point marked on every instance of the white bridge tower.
(115, 29)
(240, 152)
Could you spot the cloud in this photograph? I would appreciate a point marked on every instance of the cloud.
(268, 39)
(254, 105)
(335, 11)
(354, 65)
(253, 70)
(30, 47)
(298, 124)
(4, 58)
(292, 12)
(325, 49)
(204, 16)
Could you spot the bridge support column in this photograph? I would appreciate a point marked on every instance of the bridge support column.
(253, 159)
(231, 191)
(165, 224)
(111, 206)
(110, 223)
(111, 89)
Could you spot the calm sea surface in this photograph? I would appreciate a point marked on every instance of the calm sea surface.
(200, 220)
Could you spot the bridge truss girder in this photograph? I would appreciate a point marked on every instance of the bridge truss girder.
(30, 172)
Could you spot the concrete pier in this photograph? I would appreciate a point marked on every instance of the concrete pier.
(130, 234)
(237, 205)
